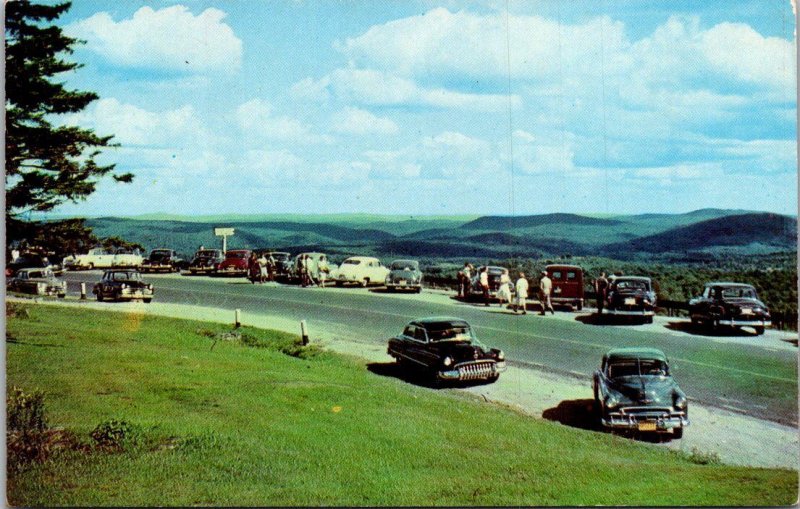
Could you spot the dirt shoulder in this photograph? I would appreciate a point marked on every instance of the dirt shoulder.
(737, 439)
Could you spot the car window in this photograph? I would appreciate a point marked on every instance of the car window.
(556, 274)
(351, 262)
(571, 275)
(632, 285)
(36, 274)
(419, 334)
(409, 331)
(450, 334)
(742, 292)
(637, 367)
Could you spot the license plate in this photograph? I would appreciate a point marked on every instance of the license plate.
(630, 302)
(402, 283)
(747, 311)
(647, 426)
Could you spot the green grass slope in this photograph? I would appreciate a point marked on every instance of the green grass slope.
(261, 421)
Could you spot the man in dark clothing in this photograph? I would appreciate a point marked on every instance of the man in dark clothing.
(600, 289)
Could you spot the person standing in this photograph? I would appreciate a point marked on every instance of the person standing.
(504, 292)
(484, 280)
(323, 272)
(304, 270)
(253, 270)
(522, 294)
(545, 289)
(466, 280)
(262, 268)
(271, 268)
(600, 290)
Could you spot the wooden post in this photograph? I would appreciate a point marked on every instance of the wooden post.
(304, 332)
(237, 318)
(83, 291)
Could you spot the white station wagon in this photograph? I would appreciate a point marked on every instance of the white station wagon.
(362, 270)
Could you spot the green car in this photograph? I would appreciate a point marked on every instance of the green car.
(634, 390)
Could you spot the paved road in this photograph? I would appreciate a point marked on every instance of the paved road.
(752, 375)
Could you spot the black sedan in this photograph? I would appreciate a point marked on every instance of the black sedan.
(730, 305)
(162, 260)
(123, 284)
(448, 349)
(634, 390)
(631, 297)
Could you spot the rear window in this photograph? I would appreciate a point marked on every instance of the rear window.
(557, 274)
(571, 275)
(351, 262)
(236, 254)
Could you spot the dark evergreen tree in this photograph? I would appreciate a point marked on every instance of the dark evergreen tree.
(46, 164)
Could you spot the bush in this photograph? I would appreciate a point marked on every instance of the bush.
(26, 437)
(16, 310)
(115, 435)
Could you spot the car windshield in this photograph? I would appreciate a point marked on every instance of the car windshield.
(450, 332)
(280, 256)
(350, 261)
(739, 292)
(236, 254)
(637, 367)
(124, 276)
(632, 284)
(404, 265)
(206, 253)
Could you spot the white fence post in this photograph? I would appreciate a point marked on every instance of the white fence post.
(237, 318)
(304, 331)
(83, 291)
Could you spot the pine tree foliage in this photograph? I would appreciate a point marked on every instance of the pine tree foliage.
(47, 164)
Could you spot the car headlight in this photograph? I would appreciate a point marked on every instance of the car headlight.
(612, 401)
(388, 279)
(680, 402)
(501, 356)
(124, 286)
(448, 361)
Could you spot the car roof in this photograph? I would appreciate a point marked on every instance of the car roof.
(431, 320)
(723, 283)
(636, 353)
(403, 260)
(631, 278)
(559, 266)
(362, 258)
(237, 250)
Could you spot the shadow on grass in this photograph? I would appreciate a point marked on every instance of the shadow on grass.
(416, 376)
(580, 414)
(701, 330)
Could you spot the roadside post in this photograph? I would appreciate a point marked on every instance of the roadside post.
(83, 291)
(237, 315)
(304, 332)
(224, 232)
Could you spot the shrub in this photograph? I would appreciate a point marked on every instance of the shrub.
(115, 435)
(26, 437)
(15, 310)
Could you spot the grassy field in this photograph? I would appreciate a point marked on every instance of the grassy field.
(210, 419)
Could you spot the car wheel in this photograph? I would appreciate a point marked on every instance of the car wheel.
(364, 282)
(147, 301)
(99, 297)
(580, 306)
(339, 283)
(390, 288)
(90, 266)
(677, 433)
(759, 331)
(648, 319)
(417, 290)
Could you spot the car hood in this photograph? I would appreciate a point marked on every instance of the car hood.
(645, 390)
(462, 351)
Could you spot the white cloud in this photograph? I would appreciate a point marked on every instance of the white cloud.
(539, 155)
(171, 38)
(358, 121)
(374, 87)
(132, 125)
(256, 119)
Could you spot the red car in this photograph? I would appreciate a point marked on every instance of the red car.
(567, 285)
(235, 263)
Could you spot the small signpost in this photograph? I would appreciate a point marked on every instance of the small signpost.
(223, 232)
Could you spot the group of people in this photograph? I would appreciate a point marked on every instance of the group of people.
(261, 269)
(520, 287)
(307, 270)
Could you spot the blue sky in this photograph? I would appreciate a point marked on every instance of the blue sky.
(422, 107)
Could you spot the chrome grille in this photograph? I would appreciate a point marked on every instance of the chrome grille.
(476, 370)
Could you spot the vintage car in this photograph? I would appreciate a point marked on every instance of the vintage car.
(567, 285)
(123, 284)
(98, 257)
(494, 281)
(446, 348)
(631, 296)
(314, 262)
(404, 275)
(283, 264)
(361, 270)
(235, 263)
(162, 260)
(126, 257)
(38, 282)
(634, 390)
(730, 305)
(31, 261)
(206, 261)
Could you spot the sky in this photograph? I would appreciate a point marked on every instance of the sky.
(422, 107)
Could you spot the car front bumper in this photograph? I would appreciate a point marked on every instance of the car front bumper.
(135, 294)
(478, 370)
(746, 323)
(631, 312)
(402, 285)
(651, 420)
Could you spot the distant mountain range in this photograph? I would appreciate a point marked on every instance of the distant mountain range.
(624, 237)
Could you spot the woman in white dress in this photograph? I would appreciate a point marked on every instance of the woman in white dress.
(504, 291)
